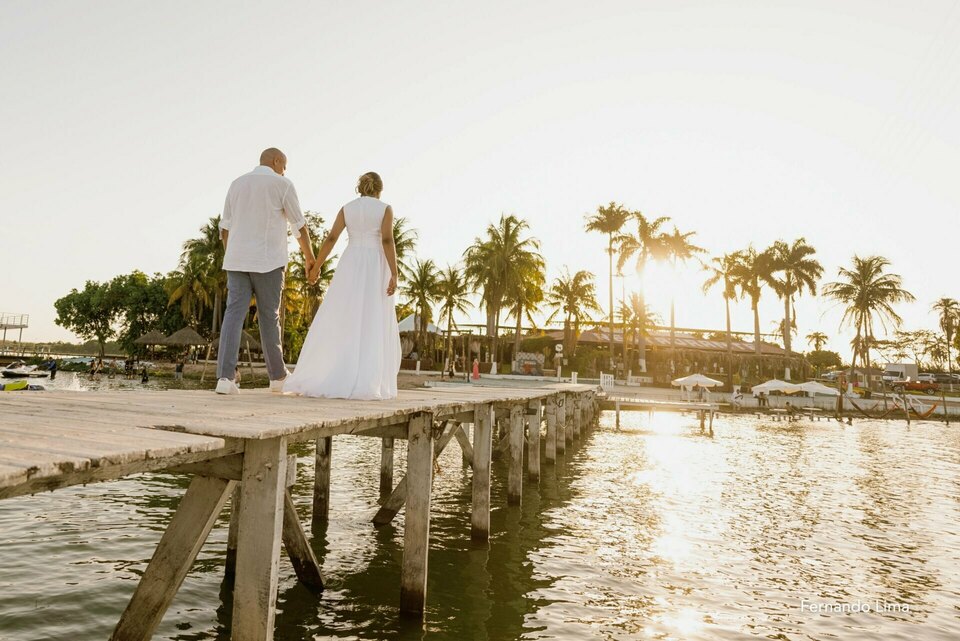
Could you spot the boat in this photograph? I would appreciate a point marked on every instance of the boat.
(22, 385)
(24, 372)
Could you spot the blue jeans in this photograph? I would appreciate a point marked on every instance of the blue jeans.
(268, 288)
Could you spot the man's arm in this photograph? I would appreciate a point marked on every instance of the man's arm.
(226, 219)
(306, 248)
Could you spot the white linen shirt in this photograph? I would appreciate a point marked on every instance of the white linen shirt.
(258, 208)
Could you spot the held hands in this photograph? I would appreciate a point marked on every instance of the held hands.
(392, 286)
(313, 271)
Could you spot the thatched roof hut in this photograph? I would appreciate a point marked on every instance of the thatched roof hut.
(246, 340)
(184, 337)
(152, 337)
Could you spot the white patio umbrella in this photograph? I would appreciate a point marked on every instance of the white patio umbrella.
(813, 387)
(695, 380)
(776, 385)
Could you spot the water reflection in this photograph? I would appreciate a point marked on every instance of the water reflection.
(653, 531)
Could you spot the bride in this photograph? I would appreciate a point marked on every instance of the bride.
(353, 347)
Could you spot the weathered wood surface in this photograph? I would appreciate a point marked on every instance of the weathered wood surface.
(482, 445)
(321, 481)
(298, 548)
(178, 548)
(534, 418)
(258, 540)
(515, 466)
(416, 523)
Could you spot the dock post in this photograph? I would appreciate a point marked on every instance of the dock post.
(515, 470)
(561, 423)
(482, 444)
(231, 565)
(711, 422)
(258, 542)
(416, 524)
(550, 451)
(617, 409)
(386, 467)
(577, 415)
(569, 416)
(466, 451)
(321, 481)
(535, 417)
(703, 419)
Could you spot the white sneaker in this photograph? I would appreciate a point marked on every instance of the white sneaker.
(226, 386)
(277, 386)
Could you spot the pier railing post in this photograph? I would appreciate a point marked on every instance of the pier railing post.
(534, 417)
(416, 528)
(386, 467)
(550, 450)
(482, 445)
(568, 418)
(515, 470)
(321, 481)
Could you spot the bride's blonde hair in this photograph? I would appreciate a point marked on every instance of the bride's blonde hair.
(370, 184)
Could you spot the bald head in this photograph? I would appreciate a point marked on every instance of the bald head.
(275, 159)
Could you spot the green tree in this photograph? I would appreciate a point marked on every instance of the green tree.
(525, 295)
(646, 244)
(751, 271)
(817, 340)
(723, 270)
(609, 219)
(868, 293)
(405, 240)
(792, 270)
(496, 265)
(453, 295)
(574, 297)
(948, 316)
(91, 313)
(679, 250)
(637, 320)
(142, 302)
(421, 287)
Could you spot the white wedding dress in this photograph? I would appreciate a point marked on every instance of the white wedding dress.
(353, 347)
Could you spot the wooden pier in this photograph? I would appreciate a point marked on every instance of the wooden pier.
(235, 449)
(617, 403)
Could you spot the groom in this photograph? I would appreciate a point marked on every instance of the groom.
(259, 207)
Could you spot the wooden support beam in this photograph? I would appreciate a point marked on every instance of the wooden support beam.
(533, 436)
(176, 552)
(561, 424)
(577, 415)
(230, 468)
(231, 562)
(515, 468)
(258, 541)
(550, 450)
(398, 497)
(321, 481)
(298, 548)
(568, 412)
(416, 528)
(482, 444)
(386, 467)
(464, 440)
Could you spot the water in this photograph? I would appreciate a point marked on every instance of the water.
(655, 531)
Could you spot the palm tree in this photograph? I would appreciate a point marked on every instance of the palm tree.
(679, 249)
(524, 297)
(792, 269)
(639, 320)
(404, 240)
(609, 220)
(752, 269)
(421, 287)
(574, 297)
(497, 263)
(200, 281)
(868, 293)
(723, 269)
(453, 294)
(817, 340)
(948, 312)
(646, 244)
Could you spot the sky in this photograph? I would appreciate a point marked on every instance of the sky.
(123, 123)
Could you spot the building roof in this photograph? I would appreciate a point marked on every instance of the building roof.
(682, 341)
